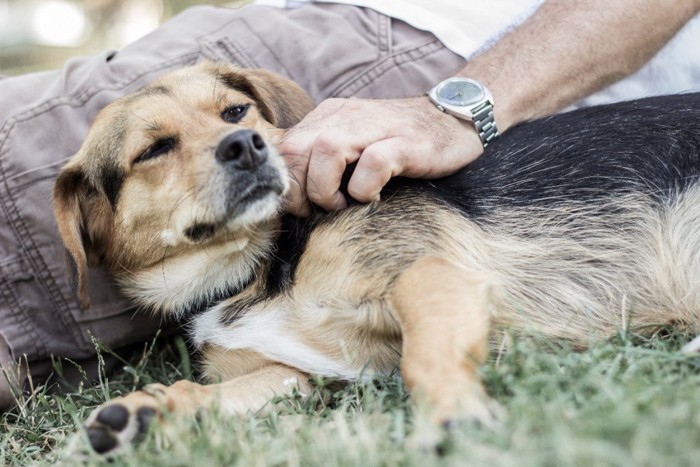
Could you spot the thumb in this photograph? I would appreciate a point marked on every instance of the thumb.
(296, 201)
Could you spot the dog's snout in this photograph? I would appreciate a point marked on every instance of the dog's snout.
(245, 149)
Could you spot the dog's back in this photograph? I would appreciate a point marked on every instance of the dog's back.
(590, 220)
(649, 146)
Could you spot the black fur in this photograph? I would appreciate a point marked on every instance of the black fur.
(279, 272)
(645, 146)
(200, 232)
(112, 179)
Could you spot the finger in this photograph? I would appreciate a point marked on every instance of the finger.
(377, 164)
(296, 147)
(329, 144)
(296, 201)
(330, 156)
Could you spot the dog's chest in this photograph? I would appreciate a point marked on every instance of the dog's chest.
(276, 331)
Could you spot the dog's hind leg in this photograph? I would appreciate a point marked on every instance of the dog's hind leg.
(443, 312)
(122, 420)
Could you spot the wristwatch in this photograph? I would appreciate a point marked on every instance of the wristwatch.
(468, 100)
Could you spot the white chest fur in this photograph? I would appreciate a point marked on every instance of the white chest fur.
(267, 330)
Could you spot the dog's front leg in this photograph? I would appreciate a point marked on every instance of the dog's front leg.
(444, 318)
(123, 419)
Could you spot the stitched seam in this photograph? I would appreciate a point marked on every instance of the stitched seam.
(7, 294)
(237, 54)
(270, 50)
(233, 52)
(384, 33)
(80, 99)
(384, 65)
(8, 202)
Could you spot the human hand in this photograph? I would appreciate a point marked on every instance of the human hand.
(387, 138)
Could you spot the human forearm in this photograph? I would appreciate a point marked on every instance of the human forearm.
(571, 48)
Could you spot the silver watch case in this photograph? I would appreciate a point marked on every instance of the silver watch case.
(468, 100)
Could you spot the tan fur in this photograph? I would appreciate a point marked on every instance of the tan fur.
(403, 281)
(251, 392)
(121, 132)
(444, 317)
(220, 364)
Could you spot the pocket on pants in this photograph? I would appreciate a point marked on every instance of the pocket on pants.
(319, 46)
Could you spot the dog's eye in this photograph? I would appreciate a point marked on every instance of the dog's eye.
(235, 113)
(157, 149)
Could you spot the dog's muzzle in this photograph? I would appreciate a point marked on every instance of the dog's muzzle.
(243, 150)
(249, 185)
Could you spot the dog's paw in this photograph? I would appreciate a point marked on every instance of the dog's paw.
(438, 420)
(124, 420)
(467, 402)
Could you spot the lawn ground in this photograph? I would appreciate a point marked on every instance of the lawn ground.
(628, 402)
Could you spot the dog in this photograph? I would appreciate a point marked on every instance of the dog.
(571, 227)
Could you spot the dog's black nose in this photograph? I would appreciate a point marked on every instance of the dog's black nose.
(245, 149)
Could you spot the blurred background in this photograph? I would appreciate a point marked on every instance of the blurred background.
(39, 35)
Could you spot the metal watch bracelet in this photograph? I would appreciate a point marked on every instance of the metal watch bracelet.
(484, 123)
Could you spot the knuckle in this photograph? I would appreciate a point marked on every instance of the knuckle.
(327, 144)
(292, 146)
(376, 160)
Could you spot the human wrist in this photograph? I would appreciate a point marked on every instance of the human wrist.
(462, 132)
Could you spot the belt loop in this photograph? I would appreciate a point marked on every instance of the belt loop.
(384, 34)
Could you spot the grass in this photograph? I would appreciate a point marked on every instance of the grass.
(627, 402)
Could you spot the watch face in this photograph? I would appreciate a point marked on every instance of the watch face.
(460, 92)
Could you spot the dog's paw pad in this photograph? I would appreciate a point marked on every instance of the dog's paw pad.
(101, 439)
(120, 422)
(144, 417)
(114, 416)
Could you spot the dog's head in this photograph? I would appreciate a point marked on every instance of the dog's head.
(178, 186)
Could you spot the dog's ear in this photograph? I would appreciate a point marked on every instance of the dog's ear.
(69, 192)
(286, 102)
(281, 101)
